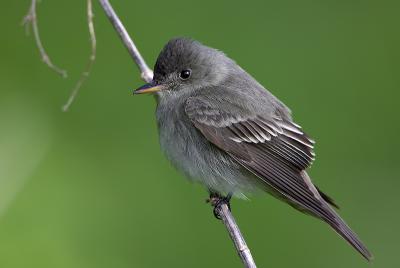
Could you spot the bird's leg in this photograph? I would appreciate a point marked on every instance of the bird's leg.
(216, 200)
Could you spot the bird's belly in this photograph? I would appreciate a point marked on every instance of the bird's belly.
(201, 161)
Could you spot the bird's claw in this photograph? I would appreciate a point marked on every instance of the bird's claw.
(217, 200)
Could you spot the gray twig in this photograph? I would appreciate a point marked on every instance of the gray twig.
(145, 72)
(92, 58)
(31, 20)
(227, 218)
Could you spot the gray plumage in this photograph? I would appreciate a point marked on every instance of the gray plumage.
(220, 127)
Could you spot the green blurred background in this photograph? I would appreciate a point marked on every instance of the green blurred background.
(90, 187)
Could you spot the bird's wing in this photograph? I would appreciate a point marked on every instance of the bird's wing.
(274, 149)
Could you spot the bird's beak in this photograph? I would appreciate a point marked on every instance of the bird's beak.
(148, 88)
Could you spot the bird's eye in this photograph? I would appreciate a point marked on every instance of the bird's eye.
(185, 74)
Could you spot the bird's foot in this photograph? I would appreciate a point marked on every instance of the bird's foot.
(216, 200)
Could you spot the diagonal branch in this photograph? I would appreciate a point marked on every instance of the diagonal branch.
(92, 58)
(31, 20)
(145, 72)
(223, 212)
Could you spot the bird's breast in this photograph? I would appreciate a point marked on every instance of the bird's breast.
(179, 139)
(192, 154)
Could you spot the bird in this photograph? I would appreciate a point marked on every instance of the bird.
(220, 127)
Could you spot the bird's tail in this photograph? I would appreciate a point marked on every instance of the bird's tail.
(344, 231)
(335, 221)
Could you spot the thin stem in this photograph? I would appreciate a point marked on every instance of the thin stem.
(92, 58)
(31, 19)
(145, 72)
(234, 232)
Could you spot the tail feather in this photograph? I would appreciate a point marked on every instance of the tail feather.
(344, 231)
(335, 221)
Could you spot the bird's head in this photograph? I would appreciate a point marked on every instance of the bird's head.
(185, 65)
